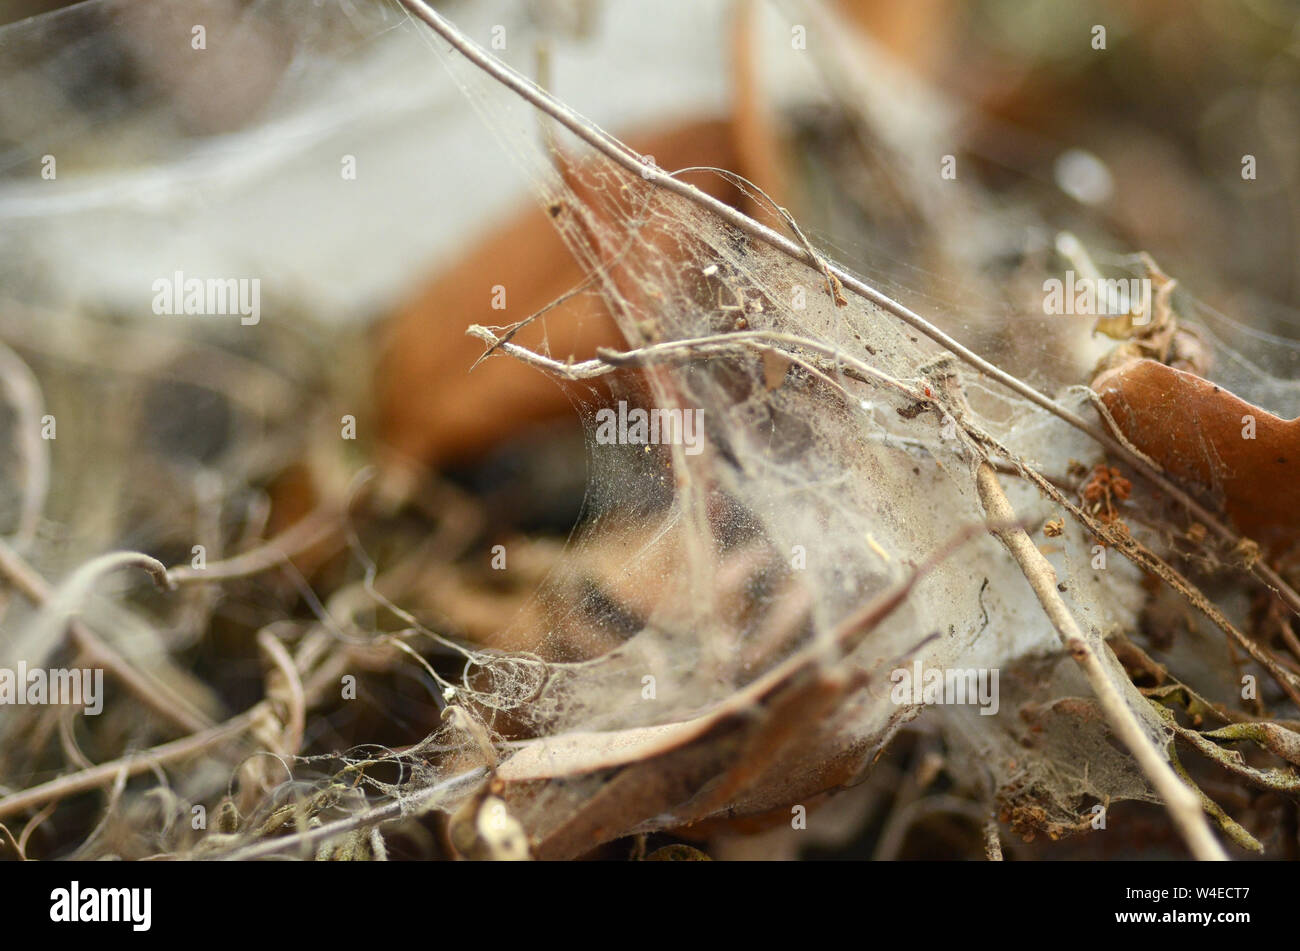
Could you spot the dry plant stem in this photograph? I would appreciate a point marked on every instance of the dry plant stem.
(68, 740)
(1289, 636)
(114, 800)
(306, 842)
(324, 677)
(1183, 805)
(633, 163)
(33, 824)
(306, 533)
(133, 764)
(157, 696)
(296, 702)
(515, 328)
(17, 845)
(682, 350)
(992, 840)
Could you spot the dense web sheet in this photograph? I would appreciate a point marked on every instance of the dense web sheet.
(834, 463)
(836, 455)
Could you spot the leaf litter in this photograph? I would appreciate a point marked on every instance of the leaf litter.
(862, 504)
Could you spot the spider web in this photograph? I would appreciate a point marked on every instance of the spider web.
(818, 489)
(837, 455)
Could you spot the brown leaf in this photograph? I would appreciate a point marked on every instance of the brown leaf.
(1201, 434)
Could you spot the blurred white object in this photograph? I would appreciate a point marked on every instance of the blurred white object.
(271, 198)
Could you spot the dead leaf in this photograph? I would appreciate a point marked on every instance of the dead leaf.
(1205, 436)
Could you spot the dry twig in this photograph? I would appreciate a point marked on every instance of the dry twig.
(1182, 803)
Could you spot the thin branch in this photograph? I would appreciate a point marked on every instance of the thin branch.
(1182, 803)
(132, 764)
(516, 327)
(676, 351)
(633, 163)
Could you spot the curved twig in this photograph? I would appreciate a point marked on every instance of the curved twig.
(152, 692)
